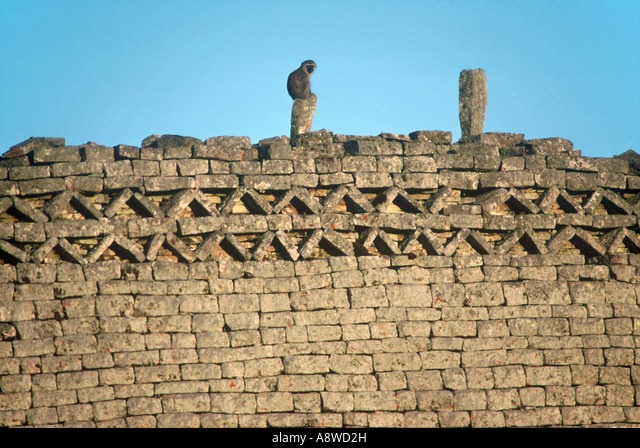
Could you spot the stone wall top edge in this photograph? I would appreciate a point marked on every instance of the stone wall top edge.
(317, 144)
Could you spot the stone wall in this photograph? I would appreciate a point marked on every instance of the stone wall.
(352, 281)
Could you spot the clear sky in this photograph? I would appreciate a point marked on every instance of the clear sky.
(116, 71)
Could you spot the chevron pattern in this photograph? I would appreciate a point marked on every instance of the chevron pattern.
(302, 223)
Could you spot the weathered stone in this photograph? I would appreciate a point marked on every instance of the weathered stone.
(169, 141)
(159, 184)
(302, 113)
(29, 172)
(472, 101)
(436, 137)
(32, 143)
(41, 186)
(550, 146)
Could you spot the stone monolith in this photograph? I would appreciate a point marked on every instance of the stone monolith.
(473, 102)
(302, 113)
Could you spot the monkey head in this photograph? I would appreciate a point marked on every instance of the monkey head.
(309, 66)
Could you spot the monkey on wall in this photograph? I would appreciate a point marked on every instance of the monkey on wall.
(299, 81)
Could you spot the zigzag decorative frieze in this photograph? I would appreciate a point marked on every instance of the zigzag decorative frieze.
(337, 196)
(196, 225)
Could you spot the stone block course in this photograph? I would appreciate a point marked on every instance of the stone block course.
(360, 281)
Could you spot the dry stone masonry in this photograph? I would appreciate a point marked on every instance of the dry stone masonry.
(348, 282)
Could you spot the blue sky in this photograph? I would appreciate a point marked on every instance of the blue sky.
(116, 71)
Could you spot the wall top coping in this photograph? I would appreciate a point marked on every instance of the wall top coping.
(319, 144)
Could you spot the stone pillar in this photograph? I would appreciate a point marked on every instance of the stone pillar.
(473, 102)
(302, 113)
